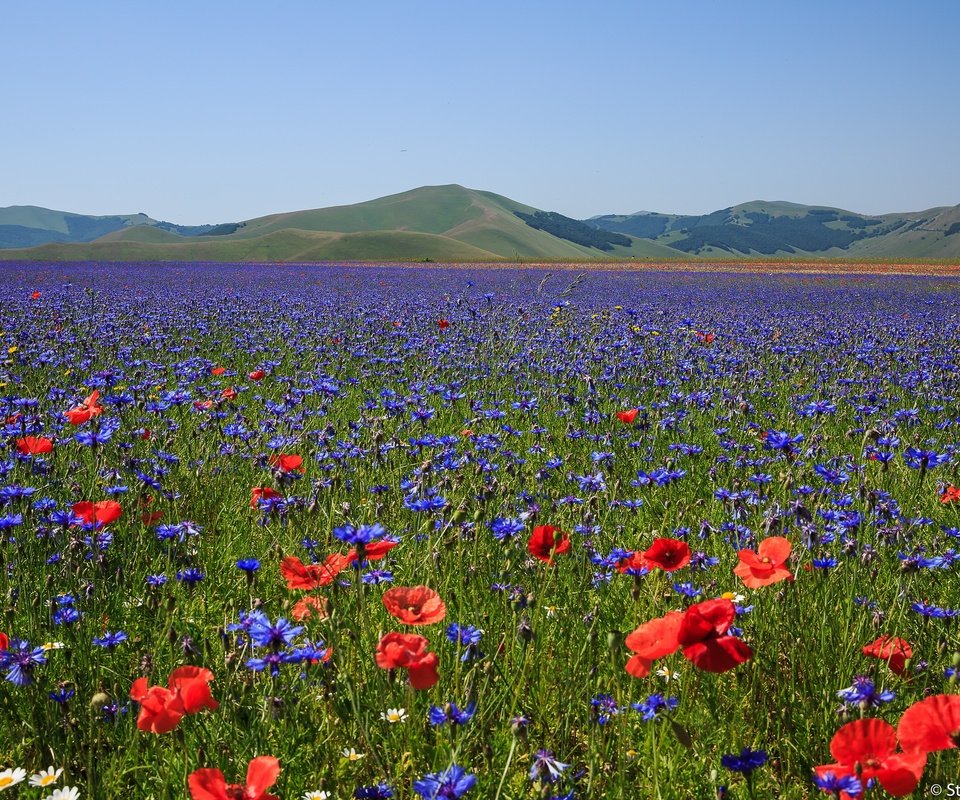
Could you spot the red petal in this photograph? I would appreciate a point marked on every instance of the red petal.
(864, 740)
(930, 725)
(261, 775)
(656, 638)
(718, 655)
(776, 548)
(207, 784)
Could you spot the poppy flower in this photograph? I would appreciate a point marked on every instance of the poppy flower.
(310, 606)
(652, 640)
(443, 324)
(667, 554)
(634, 564)
(703, 637)
(34, 445)
(99, 514)
(931, 724)
(892, 649)
(209, 784)
(546, 541)
(203, 405)
(414, 605)
(409, 651)
(287, 462)
(257, 375)
(262, 492)
(35, 296)
(867, 748)
(217, 370)
(228, 394)
(627, 417)
(374, 551)
(309, 576)
(86, 410)
(950, 495)
(161, 708)
(4, 641)
(766, 566)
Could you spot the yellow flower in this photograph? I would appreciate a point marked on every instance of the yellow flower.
(12, 350)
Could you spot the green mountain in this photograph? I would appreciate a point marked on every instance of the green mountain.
(779, 229)
(453, 223)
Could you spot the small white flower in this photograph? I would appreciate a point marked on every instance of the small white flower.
(316, 794)
(351, 754)
(46, 777)
(393, 715)
(48, 646)
(667, 675)
(551, 611)
(66, 793)
(11, 777)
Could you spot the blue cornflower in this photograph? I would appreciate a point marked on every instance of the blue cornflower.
(265, 634)
(848, 784)
(506, 528)
(936, 612)
(111, 640)
(546, 767)
(864, 693)
(61, 695)
(450, 712)
(452, 783)
(154, 581)
(746, 762)
(605, 708)
(924, 459)
(380, 791)
(467, 636)
(361, 535)
(190, 576)
(374, 577)
(248, 565)
(654, 706)
(19, 660)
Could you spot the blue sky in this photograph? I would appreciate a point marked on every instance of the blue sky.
(215, 111)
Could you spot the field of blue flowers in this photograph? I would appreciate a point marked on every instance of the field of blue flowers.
(371, 532)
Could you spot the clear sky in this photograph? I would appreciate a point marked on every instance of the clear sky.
(201, 112)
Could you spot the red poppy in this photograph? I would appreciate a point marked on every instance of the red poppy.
(310, 606)
(35, 296)
(950, 495)
(161, 708)
(652, 640)
(667, 554)
(706, 338)
(217, 370)
(443, 324)
(627, 417)
(257, 375)
(546, 541)
(931, 724)
(409, 651)
(304, 576)
(209, 784)
(287, 462)
(203, 405)
(34, 445)
(414, 605)
(144, 434)
(100, 514)
(262, 492)
(228, 394)
(466, 433)
(892, 649)
(867, 748)
(766, 566)
(86, 410)
(153, 518)
(374, 551)
(4, 641)
(635, 561)
(703, 637)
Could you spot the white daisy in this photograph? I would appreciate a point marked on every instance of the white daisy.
(11, 777)
(667, 675)
(46, 777)
(316, 794)
(393, 715)
(66, 793)
(351, 754)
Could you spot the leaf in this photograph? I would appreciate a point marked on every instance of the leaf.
(682, 734)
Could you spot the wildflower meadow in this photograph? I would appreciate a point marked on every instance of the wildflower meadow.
(274, 531)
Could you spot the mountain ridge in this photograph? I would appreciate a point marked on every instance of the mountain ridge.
(452, 222)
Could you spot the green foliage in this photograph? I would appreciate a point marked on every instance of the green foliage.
(572, 230)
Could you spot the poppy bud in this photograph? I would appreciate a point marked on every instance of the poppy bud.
(99, 700)
(614, 640)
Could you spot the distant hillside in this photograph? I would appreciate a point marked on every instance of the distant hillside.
(788, 229)
(28, 226)
(453, 223)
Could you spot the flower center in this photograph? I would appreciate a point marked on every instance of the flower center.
(5, 781)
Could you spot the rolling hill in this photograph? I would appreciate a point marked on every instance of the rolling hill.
(453, 223)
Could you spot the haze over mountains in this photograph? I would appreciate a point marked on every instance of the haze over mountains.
(453, 223)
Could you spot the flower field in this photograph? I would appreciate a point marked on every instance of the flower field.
(372, 532)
